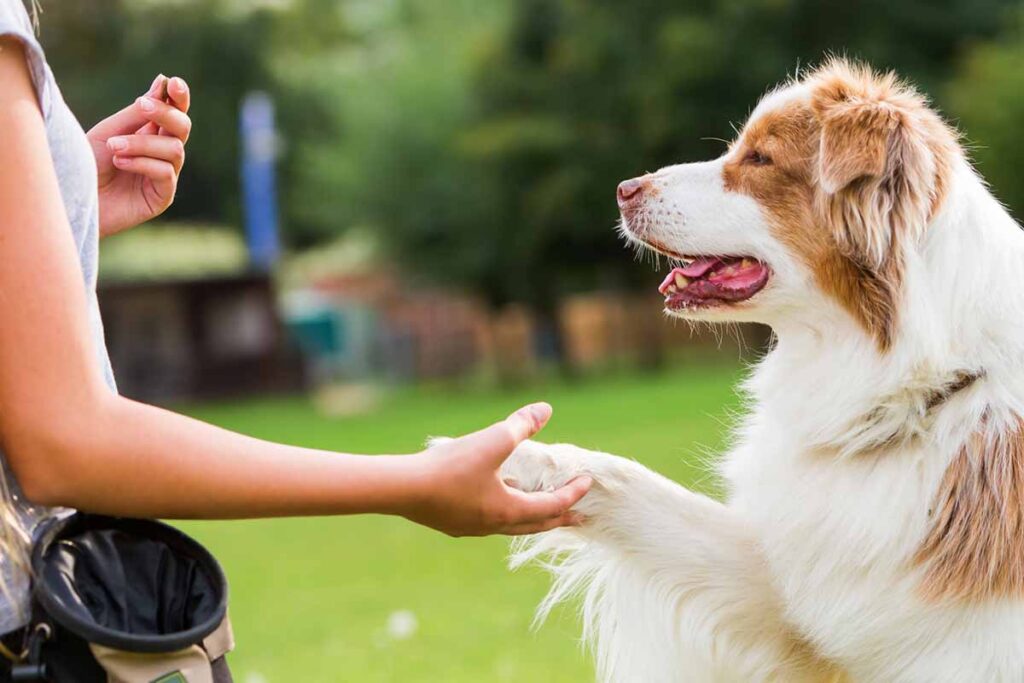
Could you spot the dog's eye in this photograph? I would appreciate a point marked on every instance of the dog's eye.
(756, 158)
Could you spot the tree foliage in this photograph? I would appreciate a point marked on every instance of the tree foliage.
(575, 95)
(987, 96)
(106, 52)
(482, 141)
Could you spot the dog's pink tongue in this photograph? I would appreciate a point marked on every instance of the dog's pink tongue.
(699, 267)
(694, 270)
(737, 277)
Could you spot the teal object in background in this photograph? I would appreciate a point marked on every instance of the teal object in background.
(338, 338)
(320, 333)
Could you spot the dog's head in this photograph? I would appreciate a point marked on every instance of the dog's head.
(829, 183)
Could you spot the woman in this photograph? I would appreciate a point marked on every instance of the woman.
(69, 440)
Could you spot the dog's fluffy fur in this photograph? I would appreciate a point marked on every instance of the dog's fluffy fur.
(874, 523)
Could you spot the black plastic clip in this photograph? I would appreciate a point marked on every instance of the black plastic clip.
(33, 670)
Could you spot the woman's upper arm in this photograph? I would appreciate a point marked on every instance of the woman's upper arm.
(48, 376)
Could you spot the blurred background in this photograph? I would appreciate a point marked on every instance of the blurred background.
(397, 219)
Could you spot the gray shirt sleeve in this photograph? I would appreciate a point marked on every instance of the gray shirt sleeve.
(14, 22)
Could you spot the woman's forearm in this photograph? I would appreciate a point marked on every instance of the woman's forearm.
(125, 458)
(128, 458)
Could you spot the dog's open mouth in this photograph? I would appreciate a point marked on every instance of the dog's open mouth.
(708, 281)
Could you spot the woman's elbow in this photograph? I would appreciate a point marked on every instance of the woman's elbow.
(41, 470)
(42, 490)
(46, 458)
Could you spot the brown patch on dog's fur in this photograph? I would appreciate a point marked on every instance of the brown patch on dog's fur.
(975, 549)
(856, 170)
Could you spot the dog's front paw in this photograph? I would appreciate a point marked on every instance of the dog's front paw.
(535, 466)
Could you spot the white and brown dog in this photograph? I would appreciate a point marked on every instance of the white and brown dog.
(874, 523)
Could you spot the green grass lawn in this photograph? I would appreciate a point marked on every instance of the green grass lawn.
(311, 599)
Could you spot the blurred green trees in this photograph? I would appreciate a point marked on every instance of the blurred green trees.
(987, 97)
(569, 97)
(105, 53)
(482, 140)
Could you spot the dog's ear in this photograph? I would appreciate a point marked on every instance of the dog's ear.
(878, 160)
(854, 140)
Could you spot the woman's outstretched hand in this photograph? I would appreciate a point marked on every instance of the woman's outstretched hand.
(462, 490)
(139, 153)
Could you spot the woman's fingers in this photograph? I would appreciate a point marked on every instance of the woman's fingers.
(161, 172)
(163, 148)
(129, 119)
(497, 442)
(172, 120)
(565, 519)
(527, 421)
(544, 505)
(125, 121)
(180, 97)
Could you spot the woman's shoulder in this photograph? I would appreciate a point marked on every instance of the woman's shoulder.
(15, 23)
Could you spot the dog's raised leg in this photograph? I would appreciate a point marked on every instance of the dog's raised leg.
(673, 585)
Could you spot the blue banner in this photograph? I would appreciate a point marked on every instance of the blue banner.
(259, 185)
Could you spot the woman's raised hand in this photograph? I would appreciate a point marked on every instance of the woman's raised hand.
(139, 154)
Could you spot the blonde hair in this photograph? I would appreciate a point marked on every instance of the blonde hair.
(15, 542)
(35, 9)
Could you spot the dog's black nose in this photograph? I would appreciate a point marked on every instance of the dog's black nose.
(628, 189)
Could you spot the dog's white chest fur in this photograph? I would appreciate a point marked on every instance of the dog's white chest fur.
(839, 538)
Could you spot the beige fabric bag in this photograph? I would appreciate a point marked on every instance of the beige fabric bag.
(191, 665)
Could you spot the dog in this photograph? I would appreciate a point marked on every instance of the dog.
(873, 528)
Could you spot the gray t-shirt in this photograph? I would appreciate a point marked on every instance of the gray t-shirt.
(76, 172)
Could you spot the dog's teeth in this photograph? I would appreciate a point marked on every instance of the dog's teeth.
(746, 263)
(672, 289)
(681, 281)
